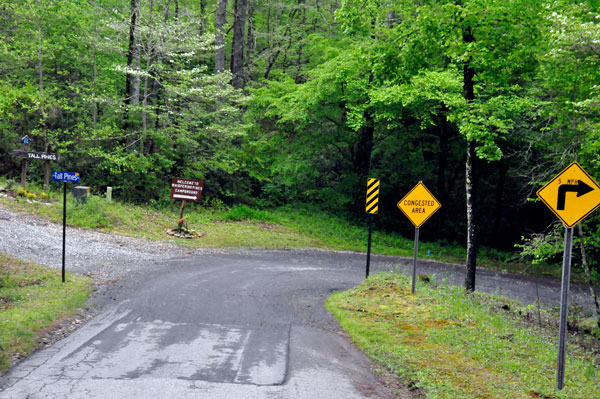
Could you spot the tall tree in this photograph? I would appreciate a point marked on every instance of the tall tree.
(469, 95)
(220, 21)
(237, 45)
(132, 80)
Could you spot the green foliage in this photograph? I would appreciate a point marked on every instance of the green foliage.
(543, 247)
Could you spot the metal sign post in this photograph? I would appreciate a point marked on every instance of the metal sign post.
(571, 195)
(65, 177)
(416, 255)
(418, 206)
(369, 246)
(64, 228)
(564, 309)
(372, 207)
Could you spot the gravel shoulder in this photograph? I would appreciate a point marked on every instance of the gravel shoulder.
(102, 256)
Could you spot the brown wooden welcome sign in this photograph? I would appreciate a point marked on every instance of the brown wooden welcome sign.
(186, 189)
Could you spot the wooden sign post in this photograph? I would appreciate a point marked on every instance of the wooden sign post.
(26, 155)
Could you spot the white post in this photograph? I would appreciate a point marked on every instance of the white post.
(109, 194)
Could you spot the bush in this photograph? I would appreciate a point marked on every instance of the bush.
(21, 192)
(31, 196)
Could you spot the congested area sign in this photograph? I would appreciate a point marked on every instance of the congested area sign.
(419, 205)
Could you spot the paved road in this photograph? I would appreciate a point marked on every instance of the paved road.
(248, 325)
(216, 324)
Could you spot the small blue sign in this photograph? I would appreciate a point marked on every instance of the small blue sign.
(72, 177)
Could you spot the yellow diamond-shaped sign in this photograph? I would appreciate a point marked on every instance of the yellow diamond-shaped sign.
(419, 204)
(571, 195)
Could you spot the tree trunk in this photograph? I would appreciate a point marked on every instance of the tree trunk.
(299, 78)
(469, 95)
(132, 80)
(471, 236)
(237, 45)
(250, 40)
(203, 16)
(41, 85)
(146, 94)
(588, 275)
(95, 82)
(220, 21)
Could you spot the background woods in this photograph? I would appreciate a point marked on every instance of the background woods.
(299, 101)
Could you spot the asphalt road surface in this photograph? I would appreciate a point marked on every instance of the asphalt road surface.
(247, 325)
(215, 324)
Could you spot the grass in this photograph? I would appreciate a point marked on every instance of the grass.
(453, 345)
(33, 299)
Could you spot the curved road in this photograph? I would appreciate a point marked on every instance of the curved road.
(214, 326)
(214, 323)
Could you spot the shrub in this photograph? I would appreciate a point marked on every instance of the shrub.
(21, 192)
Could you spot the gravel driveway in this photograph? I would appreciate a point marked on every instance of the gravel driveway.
(88, 252)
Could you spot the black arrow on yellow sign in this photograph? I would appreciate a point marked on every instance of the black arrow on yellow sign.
(580, 188)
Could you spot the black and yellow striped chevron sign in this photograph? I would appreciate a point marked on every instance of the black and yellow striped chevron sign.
(372, 195)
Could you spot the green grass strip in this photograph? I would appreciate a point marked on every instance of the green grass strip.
(33, 299)
(452, 345)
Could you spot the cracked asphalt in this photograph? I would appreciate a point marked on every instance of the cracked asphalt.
(241, 325)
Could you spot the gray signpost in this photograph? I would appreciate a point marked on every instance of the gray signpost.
(65, 177)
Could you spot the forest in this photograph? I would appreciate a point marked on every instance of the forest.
(285, 102)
